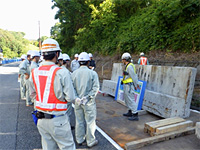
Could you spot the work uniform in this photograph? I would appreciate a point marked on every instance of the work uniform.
(69, 104)
(22, 82)
(52, 100)
(33, 66)
(130, 82)
(92, 64)
(143, 61)
(86, 84)
(74, 65)
(24, 68)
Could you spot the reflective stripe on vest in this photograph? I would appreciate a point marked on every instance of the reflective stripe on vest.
(43, 79)
(129, 80)
(143, 61)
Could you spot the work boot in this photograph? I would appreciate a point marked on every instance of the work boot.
(82, 144)
(128, 114)
(134, 117)
(95, 143)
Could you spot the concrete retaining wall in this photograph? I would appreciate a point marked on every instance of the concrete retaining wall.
(169, 89)
(172, 84)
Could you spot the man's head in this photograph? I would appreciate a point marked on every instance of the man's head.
(50, 50)
(23, 57)
(60, 60)
(90, 55)
(66, 58)
(84, 59)
(29, 55)
(126, 58)
(142, 54)
(35, 56)
(76, 56)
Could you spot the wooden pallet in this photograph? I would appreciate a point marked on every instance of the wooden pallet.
(166, 125)
(164, 137)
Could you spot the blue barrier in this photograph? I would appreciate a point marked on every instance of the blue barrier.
(6, 61)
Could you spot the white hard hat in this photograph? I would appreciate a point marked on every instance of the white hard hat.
(83, 57)
(29, 52)
(49, 45)
(90, 55)
(76, 55)
(23, 56)
(126, 56)
(142, 54)
(35, 53)
(60, 56)
(66, 57)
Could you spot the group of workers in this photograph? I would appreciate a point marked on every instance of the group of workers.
(51, 88)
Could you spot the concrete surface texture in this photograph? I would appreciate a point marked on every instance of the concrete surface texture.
(169, 89)
(121, 130)
(197, 131)
(117, 71)
(109, 87)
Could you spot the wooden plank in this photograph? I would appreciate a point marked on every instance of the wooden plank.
(167, 136)
(151, 126)
(173, 127)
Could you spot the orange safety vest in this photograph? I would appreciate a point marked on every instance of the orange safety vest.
(143, 61)
(43, 79)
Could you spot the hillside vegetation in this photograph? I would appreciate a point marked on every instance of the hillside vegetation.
(14, 44)
(114, 26)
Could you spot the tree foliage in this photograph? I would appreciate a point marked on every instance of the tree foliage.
(13, 43)
(116, 26)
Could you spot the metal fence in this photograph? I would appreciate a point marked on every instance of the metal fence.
(6, 61)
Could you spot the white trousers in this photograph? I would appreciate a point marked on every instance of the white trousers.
(85, 123)
(22, 87)
(56, 132)
(28, 99)
(129, 97)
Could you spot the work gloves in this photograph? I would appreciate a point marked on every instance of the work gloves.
(81, 101)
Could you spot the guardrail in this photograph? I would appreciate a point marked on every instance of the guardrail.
(6, 61)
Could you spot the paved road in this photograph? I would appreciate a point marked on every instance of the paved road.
(17, 130)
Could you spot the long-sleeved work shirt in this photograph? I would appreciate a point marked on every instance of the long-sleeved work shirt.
(24, 67)
(33, 65)
(132, 74)
(92, 64)
(63, 87)
(74, 65)
(86, 82)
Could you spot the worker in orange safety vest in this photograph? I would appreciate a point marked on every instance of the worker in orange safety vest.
(143, 60)
(52, 88)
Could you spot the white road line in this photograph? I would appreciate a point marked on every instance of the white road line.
(8, 133)
(107, 137)
(196, 111)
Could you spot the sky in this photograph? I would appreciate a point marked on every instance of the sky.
(24, 15)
